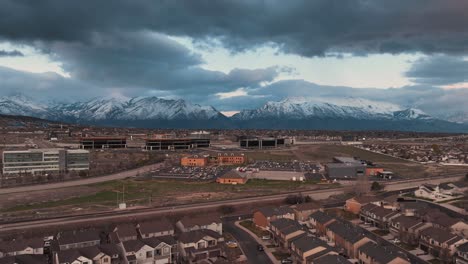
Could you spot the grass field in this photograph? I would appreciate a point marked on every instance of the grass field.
(140, 192)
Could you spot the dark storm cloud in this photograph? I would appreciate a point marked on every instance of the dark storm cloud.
(138, 62)
(13, 53)
(439, 70)
(305, 27)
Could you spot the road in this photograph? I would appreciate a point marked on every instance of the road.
(58, 185)
(247, 243)
(5, 225)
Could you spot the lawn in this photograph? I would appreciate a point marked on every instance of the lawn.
(381, 232)
(280, 255)
(254, 229)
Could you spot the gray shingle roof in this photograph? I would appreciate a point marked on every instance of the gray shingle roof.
(332, 259)
(379, 253)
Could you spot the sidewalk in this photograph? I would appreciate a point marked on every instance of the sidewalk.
(259, 241)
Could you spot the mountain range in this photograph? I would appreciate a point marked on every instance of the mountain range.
(291, 113)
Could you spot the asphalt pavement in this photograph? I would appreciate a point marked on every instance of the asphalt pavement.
(247, 244)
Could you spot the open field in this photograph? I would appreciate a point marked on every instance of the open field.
(153, 193)
(403, 168)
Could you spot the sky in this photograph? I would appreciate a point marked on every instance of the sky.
(238, 54)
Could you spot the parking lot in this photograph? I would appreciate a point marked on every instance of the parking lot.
(188, 173)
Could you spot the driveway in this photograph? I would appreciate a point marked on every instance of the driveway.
(247, 243)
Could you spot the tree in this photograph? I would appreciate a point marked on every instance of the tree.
(376, 186)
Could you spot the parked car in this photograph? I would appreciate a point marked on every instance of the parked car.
(232, 244)
(267, 237)
(260, 248)
(396, 241)
(286, 261)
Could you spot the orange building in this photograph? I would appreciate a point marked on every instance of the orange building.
(373, 171)
(231, 159)
(354, 204)
(194, 161)
(231, 178)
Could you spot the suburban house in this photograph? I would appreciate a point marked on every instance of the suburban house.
(138, 252)
(371, 253)
(263, 216)
(199, 245)
(126, 232)
(331, 259)
(307, 248)
(441, 220)
(439, 243)
(407, 228)
(284, 230)
(304, 210)
(462, 254)
(346, 236)
(377, 215)
(319, 221)
(162, 250)
(232, 177)
(354, 204)
(114, 251)
(33, 246)
(211, 222)
(78, 239)
(71, 256)
(156, 228)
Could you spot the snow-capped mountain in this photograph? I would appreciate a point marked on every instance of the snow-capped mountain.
(110, 111)
(138, 108)
(356, 108)
(19, 104)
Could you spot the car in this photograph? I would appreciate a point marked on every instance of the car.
(232, 244)
(260, 248)
(267, 237)
(396, 241)
(286, 261)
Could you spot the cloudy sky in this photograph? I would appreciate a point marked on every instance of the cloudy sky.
(238, 54)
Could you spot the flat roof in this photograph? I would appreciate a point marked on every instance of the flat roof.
(103, 138)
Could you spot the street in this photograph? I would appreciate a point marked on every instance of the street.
(247, 243)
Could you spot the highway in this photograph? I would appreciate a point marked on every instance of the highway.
(147, 212)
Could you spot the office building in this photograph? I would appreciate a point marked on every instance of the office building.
(44, 160)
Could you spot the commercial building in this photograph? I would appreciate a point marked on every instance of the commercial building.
(345, 168)
(230, 159)
(176, 143)
(44, 160)
(103, 142)
(265, 142)
(231, 177)
(194, 161)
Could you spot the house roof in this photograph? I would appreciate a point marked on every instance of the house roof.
(347, 231)
(21, 244)
(133, 245)
(306, 243)
(332, 259)
(197, 235)
(463, 248)
(231, 175)
(170, 240)
(153, 241)
(24, 259)
(440, 235)
(273, 211)
(68, 256)
(71, 237)
(321, 217)
(444, 220)
(90, 252)
(126, 230)
(406, 221)
(201, 219)
(306, 206)
(156, 226)
(365, 199)
(284, 223)
(110, 249)
(379, 253)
